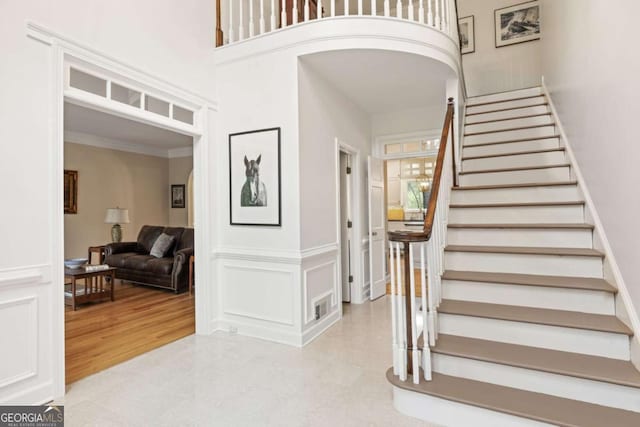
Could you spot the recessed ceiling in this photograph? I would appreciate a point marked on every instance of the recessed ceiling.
(381, 81)
(87, 121)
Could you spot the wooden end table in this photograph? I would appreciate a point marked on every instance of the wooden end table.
(96, 250)
(96, 285)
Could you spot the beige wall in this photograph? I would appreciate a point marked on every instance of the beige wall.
(490, 69)
(110, 178)
(591, 66)
(179, 170)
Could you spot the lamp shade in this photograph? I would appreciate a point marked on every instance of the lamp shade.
(117, 216)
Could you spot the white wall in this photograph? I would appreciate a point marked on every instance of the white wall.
(490, 69)
(591, 67)
(169, 39)
(179, 170)
(410, 121)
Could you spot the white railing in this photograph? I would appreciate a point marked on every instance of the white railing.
(248, 18)
(412, 317)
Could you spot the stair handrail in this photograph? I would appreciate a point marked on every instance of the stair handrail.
(411, 351)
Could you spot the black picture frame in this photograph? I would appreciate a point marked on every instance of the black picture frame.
(178, 196)
(255, 202)
(532, 31)
(470, 21)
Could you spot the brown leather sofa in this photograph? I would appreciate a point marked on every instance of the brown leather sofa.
(134, 264)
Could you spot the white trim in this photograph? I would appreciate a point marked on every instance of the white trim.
(174, 153)
(113, 144)
(329, 248)
(273, 256)
(318, 329)
(599, 228)
(381, 140)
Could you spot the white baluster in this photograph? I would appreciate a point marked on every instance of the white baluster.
(360, 9)
(241, 25)
(273, 15)
(294, 12)
(415, 354)
(430, 12)
(373, 8)
(437, 15)
(251, 23)
(431, 290)
(262, 24)
(306, 10)
(399, 9)
(410, 11)
(231, 35)
(426, 350)
(421, 12)
(394, 326)
(346, 7)
(447, 18)
(283, 15)
(319, 10)
(333, 8)
(443, 11)
(386, 8)
(402, 344)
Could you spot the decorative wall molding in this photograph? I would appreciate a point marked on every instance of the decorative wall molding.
(113, 144)
(270, 255)
(34, 275)
(333, 267)
(27, 356)
(316, 330)
(174, 153)
(328, 249)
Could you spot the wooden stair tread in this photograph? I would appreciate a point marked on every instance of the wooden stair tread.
(541, 316)
(527, 404)
(519, 153)
(537, 226)
(528, 116)
(515, 205)
(586, 283)
(595, 368)
(505, 100)
(509, 129)
(506, 109)
(526, 185)
(519, 168)
(525, 250)
(538, 138)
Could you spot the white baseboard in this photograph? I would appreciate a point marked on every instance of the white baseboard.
(318, 329)
(631, 315)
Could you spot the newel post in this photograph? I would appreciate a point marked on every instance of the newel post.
(219, 35)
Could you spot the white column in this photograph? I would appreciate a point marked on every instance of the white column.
(231, 21)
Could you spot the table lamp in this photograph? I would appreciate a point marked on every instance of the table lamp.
(116, 216)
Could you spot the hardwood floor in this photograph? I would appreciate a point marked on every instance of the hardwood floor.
(101, 335)
(418, 283)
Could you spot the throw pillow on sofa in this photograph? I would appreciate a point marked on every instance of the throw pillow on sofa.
(162, 245)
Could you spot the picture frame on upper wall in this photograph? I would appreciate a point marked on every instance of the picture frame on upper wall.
(467, 29)
(70, 192)
(254, 178)
(178, 196)
(516, 24)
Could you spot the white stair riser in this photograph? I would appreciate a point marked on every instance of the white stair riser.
(510, 135)
(595, 343)
(568, 193)
(508, 114)
(551, 265)
(527, 176)
(546, 238)
(506, 105)
(521, 160)
(518, 215)
(508, 124)
(597, 392)
(443, 412)
(512, 147)
(581, 300)
(505, 96)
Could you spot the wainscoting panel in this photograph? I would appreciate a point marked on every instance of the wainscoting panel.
(259, 292)
(19, 332)
(319, 282)
(366, 272)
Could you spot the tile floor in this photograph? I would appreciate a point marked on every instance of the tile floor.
(231, 380)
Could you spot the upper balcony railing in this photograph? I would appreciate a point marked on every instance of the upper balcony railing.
(245, 19)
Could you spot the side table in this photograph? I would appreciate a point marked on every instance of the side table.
(96, 250)
(96, 285)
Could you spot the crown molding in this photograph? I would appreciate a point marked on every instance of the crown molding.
(115, 144)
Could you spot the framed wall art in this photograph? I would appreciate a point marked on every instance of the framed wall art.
(467, 34)
(254, 178)
(517, 24)
(177, 196)
(70, 192)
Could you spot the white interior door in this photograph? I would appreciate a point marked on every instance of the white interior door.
(377, 221)
(345, 226)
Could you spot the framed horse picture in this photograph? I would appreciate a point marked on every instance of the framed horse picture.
(254, 178)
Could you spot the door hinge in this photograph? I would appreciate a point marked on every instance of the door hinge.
(350, 279)
(348, 170)
(349, 224)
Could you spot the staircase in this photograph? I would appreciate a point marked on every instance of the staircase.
(528, 333)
